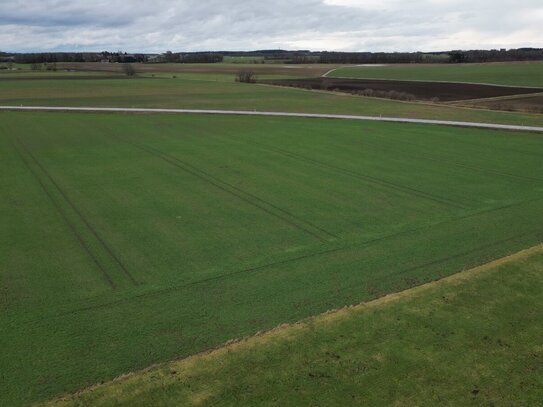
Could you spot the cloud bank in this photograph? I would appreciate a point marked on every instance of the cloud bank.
(196, 25)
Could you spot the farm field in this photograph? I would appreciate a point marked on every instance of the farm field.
(513, 73)
(457, 342)
(224, 69)
(416, 89)
(135, 239)
(191, 91)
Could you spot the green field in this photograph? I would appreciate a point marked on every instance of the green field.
(129, 240)
(204, 91)
(473, 340)
(518, 74)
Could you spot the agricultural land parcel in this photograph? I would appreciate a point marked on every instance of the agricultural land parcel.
(219, 91)
(515, 74)
(134, 239)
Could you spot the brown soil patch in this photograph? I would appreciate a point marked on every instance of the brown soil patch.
(418, 90)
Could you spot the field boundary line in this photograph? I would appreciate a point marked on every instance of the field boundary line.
(494, 126)
(328, 316)
(64, 216)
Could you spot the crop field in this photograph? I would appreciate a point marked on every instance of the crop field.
(193, 91)
(456, 342)
(129, 240)
(419, 90)
(214, 69)
(513, 73)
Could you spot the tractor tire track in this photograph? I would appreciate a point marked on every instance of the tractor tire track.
(102, 242)
(202, 281)
(334, 292)
(64, 216)
(230, 189)
(365, 244)
(534, 233)
(367, 178)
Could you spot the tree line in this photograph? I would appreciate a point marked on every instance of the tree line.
(285, 57)
(472, 56)
(109, 57)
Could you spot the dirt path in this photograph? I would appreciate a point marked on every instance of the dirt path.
(274, 114)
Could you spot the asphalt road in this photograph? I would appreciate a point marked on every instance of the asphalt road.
(275, 114)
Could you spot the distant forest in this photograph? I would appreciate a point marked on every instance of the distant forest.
(282, 56)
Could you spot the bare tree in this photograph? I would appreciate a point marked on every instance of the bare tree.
(246, 77)
(129, 70)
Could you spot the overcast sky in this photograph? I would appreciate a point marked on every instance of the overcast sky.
(195, 25)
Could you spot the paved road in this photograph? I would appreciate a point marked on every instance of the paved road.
(277, 114)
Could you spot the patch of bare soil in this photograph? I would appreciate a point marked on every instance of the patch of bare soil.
(405, 90)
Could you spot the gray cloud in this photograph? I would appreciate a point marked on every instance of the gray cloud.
(358, 25)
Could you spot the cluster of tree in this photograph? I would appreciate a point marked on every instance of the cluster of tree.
(267, 53)
(122, 57)
(53, 57)
(371, 57)
(246, 77)
(188, 58)
(324, 57)
(502, 55)
(111, 57)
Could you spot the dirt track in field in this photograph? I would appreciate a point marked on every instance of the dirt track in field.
(418, 90)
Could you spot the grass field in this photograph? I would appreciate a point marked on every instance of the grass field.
(516, 73)
(472, 340)
(191, 91)
(129, 240)
(224, 69)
